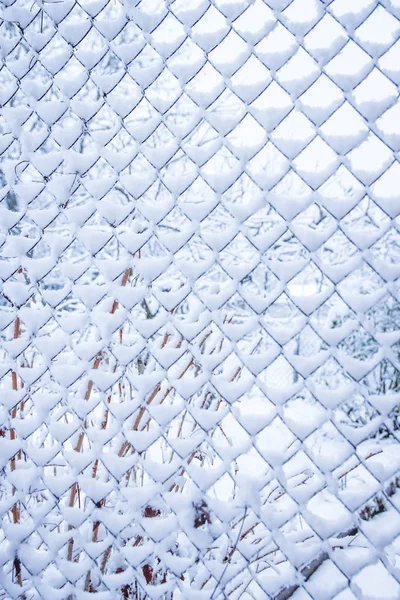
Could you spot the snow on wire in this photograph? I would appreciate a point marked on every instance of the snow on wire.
(199, 302)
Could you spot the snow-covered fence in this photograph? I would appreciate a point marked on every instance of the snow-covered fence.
(199, 315)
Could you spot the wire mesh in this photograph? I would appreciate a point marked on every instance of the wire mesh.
(199, 324)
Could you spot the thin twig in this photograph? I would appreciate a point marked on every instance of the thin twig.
(230, 555)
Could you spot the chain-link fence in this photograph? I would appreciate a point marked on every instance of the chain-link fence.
(199, 323)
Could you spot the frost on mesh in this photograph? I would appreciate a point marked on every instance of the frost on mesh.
(199, 301)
